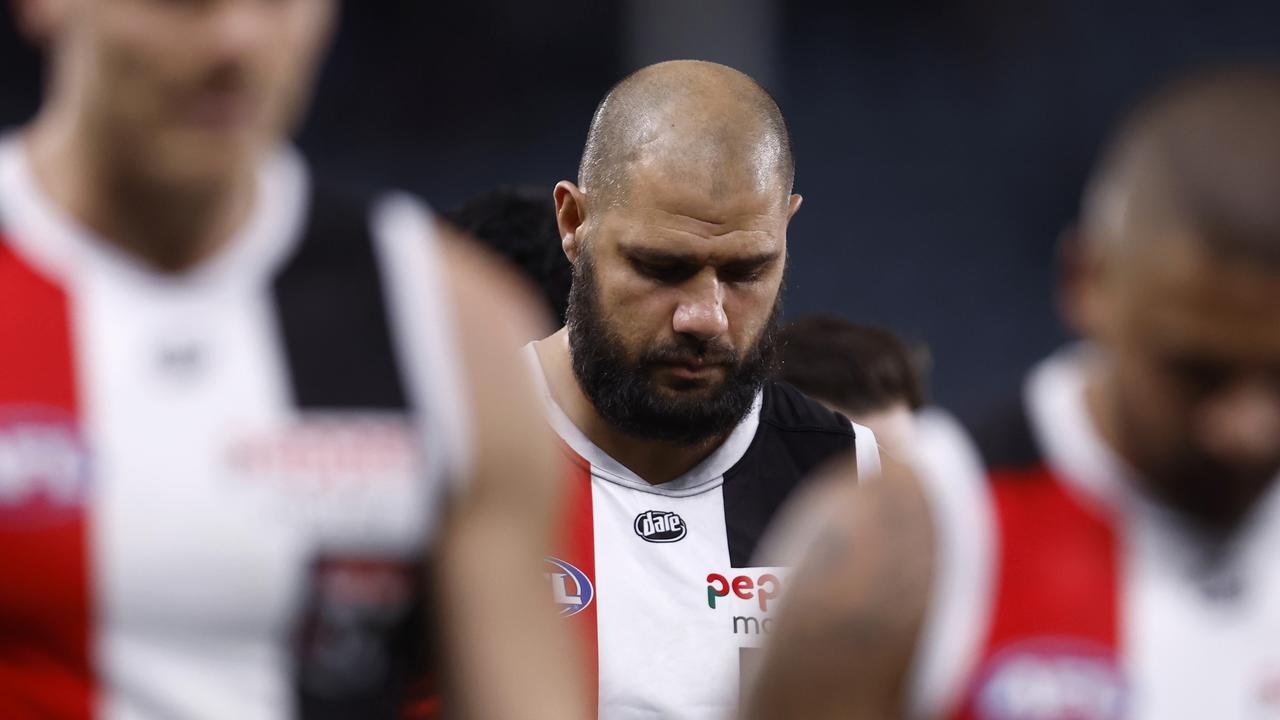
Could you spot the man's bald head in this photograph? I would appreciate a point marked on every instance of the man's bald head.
(689, 121)
(1179, 284)
(1200, 158)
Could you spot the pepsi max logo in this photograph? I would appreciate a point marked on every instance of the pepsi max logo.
(658, 526)
(570, 587)
(1051, 679)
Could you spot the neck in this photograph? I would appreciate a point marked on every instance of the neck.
(170, 226)
(654, 461)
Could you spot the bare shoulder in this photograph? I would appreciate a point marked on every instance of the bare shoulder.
(501, 523)
(499, 303)
(495, 313)
(845, 637)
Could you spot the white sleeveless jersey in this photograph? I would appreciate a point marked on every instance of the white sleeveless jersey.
(658, 579)
(213, 485)
(1062, 593)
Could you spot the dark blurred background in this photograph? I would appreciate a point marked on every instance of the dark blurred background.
(941, 145)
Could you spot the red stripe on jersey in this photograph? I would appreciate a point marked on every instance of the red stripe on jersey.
(45, 668)
(578, 548)
(1056, 592)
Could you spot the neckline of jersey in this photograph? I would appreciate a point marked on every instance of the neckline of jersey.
(1088, 466)
(1073, 447)
(64, 248)
(706, 475)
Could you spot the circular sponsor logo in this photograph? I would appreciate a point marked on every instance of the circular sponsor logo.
(570, 587)
(44, 466)
(1051, 678)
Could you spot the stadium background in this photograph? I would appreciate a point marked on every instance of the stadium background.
(941, 144)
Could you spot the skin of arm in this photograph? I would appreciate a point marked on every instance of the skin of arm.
(845, 636)
(505, 657)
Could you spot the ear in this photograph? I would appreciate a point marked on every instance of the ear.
(571, 213)
(1080, 285)
(793, 206)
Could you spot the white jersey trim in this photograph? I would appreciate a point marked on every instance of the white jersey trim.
(61, 246)
(706, 475)
(1059, 417)
(411, 261)
(953, 479)
(866, 452)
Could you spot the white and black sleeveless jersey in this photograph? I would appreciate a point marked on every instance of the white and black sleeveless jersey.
(214, 486)
(658, 579)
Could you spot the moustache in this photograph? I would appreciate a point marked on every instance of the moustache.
(700, 354)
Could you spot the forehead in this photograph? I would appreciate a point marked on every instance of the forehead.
(694, 216)
(1185, 295)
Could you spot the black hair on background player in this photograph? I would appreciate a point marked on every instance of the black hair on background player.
(520, 224)
(857, 368)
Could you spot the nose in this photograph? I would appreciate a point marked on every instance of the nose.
(701, 309)
(1242, 424)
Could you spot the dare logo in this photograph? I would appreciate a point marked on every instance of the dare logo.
(659, 526)
(570, 587)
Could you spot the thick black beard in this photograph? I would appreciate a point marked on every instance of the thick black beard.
(1216, 498)
(623, 390)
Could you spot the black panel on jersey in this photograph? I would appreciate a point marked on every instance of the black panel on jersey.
(361, 650)
(1005, 439)
(332, 313)
(353, 656)
(796, 436)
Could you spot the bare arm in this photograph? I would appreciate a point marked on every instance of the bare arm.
(506, 657)
(843, 642)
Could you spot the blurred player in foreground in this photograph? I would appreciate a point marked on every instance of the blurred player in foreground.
(864, 372)
(520, 225)
(659, 387)
(232, 402)
(1111, 551)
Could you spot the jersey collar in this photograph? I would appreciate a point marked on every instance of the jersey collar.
(704, 476)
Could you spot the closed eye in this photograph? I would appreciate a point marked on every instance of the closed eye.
(664, 272)
(740, 272)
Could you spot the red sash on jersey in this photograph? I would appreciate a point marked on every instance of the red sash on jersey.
(1052, 646)
(577, 547)
(45, 603)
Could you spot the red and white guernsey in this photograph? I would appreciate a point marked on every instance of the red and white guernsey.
(1062, 593)
(212, 485)
(659, 578)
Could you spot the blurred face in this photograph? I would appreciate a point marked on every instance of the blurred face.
(1194, 372)
(674, 307)
(186, 90)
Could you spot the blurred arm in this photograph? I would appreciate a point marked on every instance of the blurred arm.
(506, 657)
(844, 639)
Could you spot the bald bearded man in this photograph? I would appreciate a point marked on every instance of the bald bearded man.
(1107, 550)
(659, 387)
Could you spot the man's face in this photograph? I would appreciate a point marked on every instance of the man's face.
(188, 90)
(1193, 341)
(674, 307)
